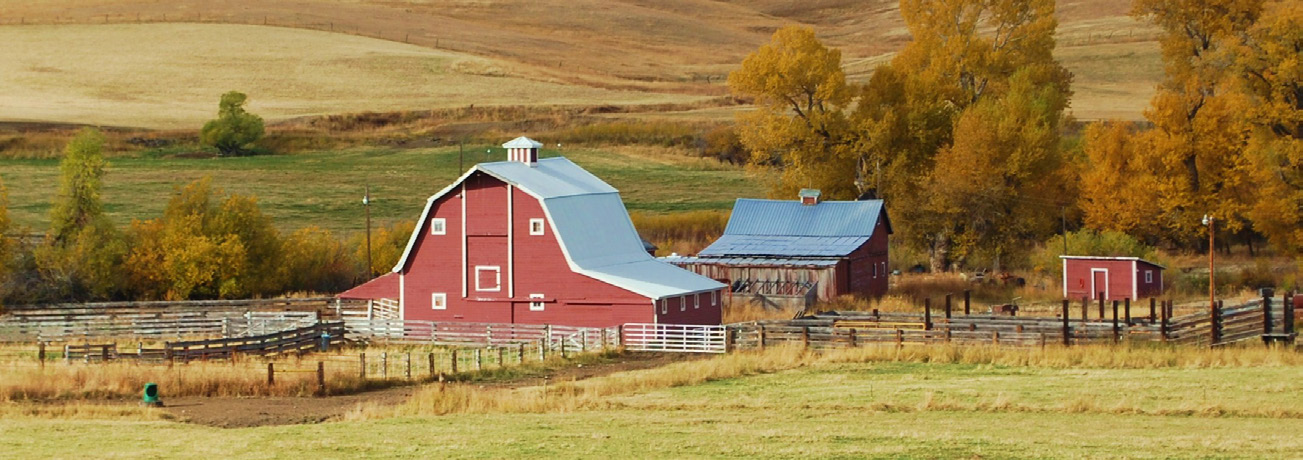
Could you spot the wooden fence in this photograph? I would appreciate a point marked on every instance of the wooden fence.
(1260, 319)
(318, 336)
(176, 325)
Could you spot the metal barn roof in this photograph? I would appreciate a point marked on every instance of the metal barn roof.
(751, 261)
(791, 229)
(791, 218)
(1112, 258)
(591, 224)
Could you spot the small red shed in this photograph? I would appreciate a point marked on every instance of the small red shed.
(536, 241)
(1116, 277)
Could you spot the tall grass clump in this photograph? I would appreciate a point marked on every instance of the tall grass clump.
(681, 233)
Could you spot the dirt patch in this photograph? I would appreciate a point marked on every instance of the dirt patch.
(260, 411)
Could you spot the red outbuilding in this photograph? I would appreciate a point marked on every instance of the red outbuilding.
(536, 241)
(1116, 277)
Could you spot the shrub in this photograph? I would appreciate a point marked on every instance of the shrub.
(234, 128)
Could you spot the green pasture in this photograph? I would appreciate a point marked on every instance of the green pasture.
(325, 188)
(881, 410)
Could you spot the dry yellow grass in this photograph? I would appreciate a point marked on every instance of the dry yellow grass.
(171, 75)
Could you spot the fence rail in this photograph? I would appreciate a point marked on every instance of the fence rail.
(151, 326)
(674, 338)
(480, 334)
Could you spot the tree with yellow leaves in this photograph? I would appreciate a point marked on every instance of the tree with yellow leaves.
(950, 177)
(800, 126)
(1118, 185)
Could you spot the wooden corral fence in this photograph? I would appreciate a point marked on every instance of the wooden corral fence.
(153, 320)
(315, 337)
(1266, 319)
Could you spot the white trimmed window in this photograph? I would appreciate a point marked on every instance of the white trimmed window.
(664, 306)
(488, 278)
(1149, 276)
(875, 270)
(439, 301)
(683, 303)
(714, 298)
(438, 226)
(536, 226)
(536, 305)
(696, 301)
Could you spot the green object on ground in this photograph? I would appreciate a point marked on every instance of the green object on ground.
(150, 396)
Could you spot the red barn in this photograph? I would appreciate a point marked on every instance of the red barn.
(1117, 277)
(799, 251)
(538, 242)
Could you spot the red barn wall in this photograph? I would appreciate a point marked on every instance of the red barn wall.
(707, 308)
(1120, 278)
(528, 264)
(868, 265)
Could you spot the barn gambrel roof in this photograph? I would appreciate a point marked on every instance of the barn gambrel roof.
(778, 228)
(590, 222)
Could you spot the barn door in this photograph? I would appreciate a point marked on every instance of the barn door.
(1098, 282)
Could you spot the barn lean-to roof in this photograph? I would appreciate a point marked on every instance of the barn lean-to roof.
(778, 228)
(592, 226)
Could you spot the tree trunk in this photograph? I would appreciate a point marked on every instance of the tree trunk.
(941, 253)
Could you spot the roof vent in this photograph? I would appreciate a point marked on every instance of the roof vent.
(523, 149)
(810, 196)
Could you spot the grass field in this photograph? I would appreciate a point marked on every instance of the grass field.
(325, 189)
(1141, 403)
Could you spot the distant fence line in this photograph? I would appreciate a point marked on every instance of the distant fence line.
(161, 320)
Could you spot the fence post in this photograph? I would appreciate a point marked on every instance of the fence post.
(522, 352)
(1288, 306)
(321, 378)
(927, 314)
(900, 338)
(547, 340)
(1216, 330)
(407, 364)
(1267, 294)
(995, 338)
(1067, 335)
(805, 337)
(947, 307)
(479, 360)
(583, 340)
(1162, 326)
(361, 361)
(67, 356)
(855, 341)
(1127, 310)
(429, 358)
(454, 360)
(40, 354)
(967, 300)
(1085, 309)
(1151, 310)
(563, 348)
(384, 364)
(761, 340)
(502, 357)
(619, 336)
(1117, 332)
(271, 374)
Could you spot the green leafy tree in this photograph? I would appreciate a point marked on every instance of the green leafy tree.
(80, 257)
(234, 128)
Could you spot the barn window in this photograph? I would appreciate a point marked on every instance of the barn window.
(714, 298)
(683, 303)
(875, 270)
(696, 301)
(439, 301)
(536, 305)
(488, 278)
(438, 226)
(1149, 276)
(664, 306)
(536, 226)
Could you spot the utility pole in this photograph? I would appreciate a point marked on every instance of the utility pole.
(1212, 254)
(366, 204)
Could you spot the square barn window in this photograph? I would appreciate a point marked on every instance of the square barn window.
(536, 226)
(438, 226)
(439, 301)
(488, 278)
(536, 305)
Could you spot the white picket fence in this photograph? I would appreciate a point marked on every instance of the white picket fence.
(680, 338)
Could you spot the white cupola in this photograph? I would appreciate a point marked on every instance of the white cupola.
(523, 149)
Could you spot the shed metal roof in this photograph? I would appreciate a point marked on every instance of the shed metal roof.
(591, 224)
(791, 218)
(1112, 258)
(750, 261)
(785, 246)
